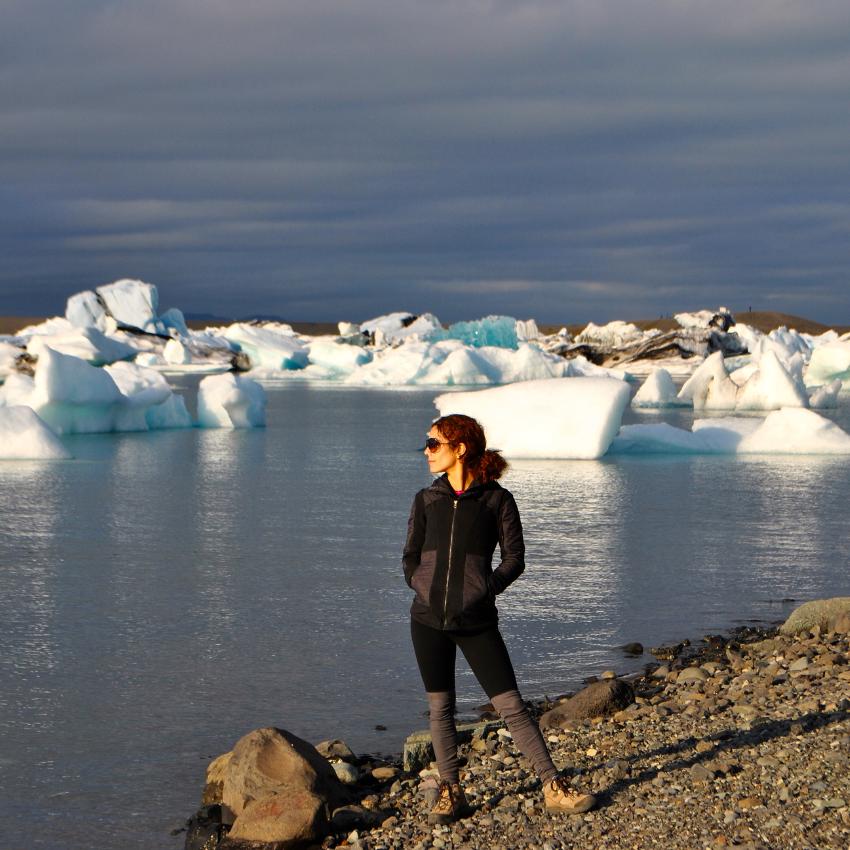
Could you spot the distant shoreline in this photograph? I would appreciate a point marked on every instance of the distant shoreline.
(762, 320)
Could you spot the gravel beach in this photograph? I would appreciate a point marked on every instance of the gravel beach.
(740, 745)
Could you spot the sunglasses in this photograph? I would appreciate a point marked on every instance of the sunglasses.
(432, 444)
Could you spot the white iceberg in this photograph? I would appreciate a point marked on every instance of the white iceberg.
(828, 362)
(771, 387)
(527, 330)
(231, 401)
(786, 431)
(658, 390)
(149, 401)
(555, 418)
(88, 344)
(615, 334)
(86, 310)
(710, 386)
(337, 358)
(826, 397)
(74, 397)
(131, 302)
(269, 346)
(24, 436)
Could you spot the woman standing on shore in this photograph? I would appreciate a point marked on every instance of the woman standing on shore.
(452, 532)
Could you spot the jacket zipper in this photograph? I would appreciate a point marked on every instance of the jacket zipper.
(449, 570)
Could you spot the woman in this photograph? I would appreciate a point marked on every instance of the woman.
(452, 533)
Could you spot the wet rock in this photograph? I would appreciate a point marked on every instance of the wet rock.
(818, 612)
(277, 784)
(596, 700)
(205, 830)
(335, 749)
(634, 648)
(215, 780)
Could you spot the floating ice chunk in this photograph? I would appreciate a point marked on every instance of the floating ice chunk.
(388, 325)
(710, 386)
(526, 330)
(72, 396)
(269, 346)
(828, 362)
(149, 358)
(175, 353)
(700, 318)
(24, 436)
(771, 387)
(231, 401)
(658, 438)
(581, 367)
(826, 397)
(85, 310)
(174, 320)
(131, 302)
(17, 390)
(796, 431)
(787, 431)
(495, 331)
(88, 344)
(555, 418)
(149, 400)
(613, 335)
(338, 358)
(402, 365)
(658, 390)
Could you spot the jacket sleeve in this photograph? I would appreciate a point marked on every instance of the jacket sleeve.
(415, 537)
(511, 546)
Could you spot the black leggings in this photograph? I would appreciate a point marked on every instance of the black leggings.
(484, 650)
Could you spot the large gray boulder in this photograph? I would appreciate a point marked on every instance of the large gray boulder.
(824, 613)
(597, 700)
(279, 788)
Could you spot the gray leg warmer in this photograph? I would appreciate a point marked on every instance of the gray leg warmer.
(441, 712)
(526, 733)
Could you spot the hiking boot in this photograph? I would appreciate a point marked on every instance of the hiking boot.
(561, 799)
(451, 804)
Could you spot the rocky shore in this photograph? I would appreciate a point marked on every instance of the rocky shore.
(740, 741)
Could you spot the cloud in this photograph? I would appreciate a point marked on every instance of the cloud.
(321, 155)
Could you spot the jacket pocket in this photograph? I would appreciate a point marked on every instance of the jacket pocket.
(476, 586)
(423, 575)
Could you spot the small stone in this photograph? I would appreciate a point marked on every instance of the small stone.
(692, 674)
(729, 817)
(701, 773)
(383, 773)
(835, 803)
(661, 672)
(749, 803)
(346, 773)
(799, 664)
(608, 674)
(703, 747)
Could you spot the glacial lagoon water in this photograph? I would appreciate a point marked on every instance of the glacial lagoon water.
(165, 593)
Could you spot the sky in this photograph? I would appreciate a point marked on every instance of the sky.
(330, 159)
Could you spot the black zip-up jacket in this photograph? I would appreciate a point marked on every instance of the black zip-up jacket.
(449, 553)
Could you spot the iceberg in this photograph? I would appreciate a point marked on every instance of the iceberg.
(658, 390)
(131, 302)
(829, 361)
(88, 344)
(491, 331)
(615, 334)
(337, 358)
(791, 430)
(25, 436)
(149, 402)
(771, 387)
(269, 346)
(86, 310)
(826, 396)
(710, 386)
(231, 401)
(74, 397)
(552, 418)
